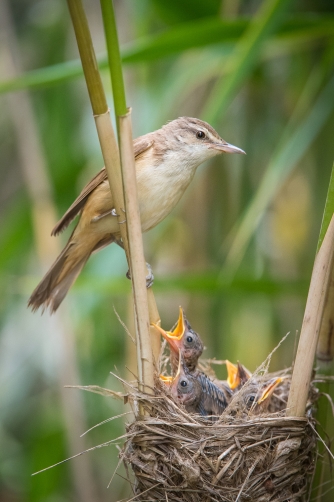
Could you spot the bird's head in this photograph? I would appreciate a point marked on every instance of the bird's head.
(195, 139)
(183, 338)
(255, 397)
(185, 388)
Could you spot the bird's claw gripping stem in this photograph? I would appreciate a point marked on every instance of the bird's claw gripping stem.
(149, 277)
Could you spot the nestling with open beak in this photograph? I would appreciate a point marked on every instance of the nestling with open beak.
(253, 398)
(183, 338)
(166, 161)
(237, 375)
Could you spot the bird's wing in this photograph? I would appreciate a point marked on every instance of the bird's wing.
(213, 400)
(140, 145)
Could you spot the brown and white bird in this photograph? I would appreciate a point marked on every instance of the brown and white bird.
(166, 161)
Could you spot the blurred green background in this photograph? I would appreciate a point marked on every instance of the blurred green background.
(237, 252)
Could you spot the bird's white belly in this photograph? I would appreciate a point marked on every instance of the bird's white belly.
(158, 195)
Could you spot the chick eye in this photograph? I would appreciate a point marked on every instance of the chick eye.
(200, 135)
(251, 399)
(183, 383)
(189, 339)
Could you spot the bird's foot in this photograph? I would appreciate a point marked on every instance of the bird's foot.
(108, 213)
(149, 277)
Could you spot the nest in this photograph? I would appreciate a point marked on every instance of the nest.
(177, 456)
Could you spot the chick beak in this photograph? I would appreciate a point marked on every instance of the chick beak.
(167, 380)
(269, 389)
(174, 337)
(226, 147)
(233, 379)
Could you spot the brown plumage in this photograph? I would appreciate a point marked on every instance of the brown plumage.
(166, 161)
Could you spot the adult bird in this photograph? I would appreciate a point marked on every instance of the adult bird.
(166, 161)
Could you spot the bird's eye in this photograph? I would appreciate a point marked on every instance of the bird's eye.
(200, 135)
(184, 383)
(189, 339)
(251, 399)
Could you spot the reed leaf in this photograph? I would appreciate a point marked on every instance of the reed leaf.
(244, 57)
(281, 165)
(185, 36)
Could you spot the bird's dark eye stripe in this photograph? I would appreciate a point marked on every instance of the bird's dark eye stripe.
(200, 135)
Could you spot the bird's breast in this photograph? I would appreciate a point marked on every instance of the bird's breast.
(159, 190)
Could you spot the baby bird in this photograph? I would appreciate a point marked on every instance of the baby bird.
(253, 399)
(197, 392)
(237, 375)
(183, 338)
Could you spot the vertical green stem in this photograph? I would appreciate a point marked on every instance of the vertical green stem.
(116, 74)
(328, 211)
(114, 57)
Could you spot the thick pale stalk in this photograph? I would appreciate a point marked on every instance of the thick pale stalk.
(136, 253)
(319, 289)
(113, 167)
(100, 108)
(112, 164)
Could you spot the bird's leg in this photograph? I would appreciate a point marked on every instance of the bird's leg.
(149, 277)
(107, 213)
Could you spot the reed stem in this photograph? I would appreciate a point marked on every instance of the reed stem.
(112, 163)
(320, 283)
(123, 117)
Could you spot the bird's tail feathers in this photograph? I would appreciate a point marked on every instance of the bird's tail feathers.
(54, 286)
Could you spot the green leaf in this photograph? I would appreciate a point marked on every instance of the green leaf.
(173, 11)
(328, 211)
(244, 57)
(192, 35)
(283, 161)
(207, 284)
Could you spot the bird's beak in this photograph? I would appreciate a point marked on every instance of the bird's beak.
(269, 389)
(166, 379)
(233, 379)
(226, 147)
(174, 337)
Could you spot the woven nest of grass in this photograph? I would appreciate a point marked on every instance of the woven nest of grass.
(177, 456)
